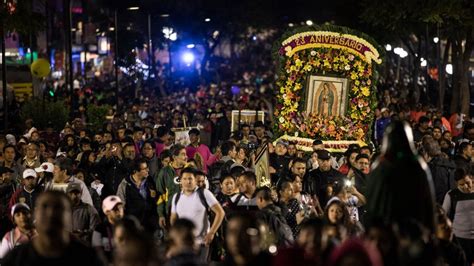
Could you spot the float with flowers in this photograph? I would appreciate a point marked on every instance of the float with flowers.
(326, 84)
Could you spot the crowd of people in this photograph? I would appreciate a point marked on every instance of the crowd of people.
(131, 194)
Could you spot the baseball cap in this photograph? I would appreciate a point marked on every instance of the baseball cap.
(110, 202)
(45, 167)
(19, 207)
(73, 186)
(282, 142)
(29, 173)
(4, 169)
(323, 155)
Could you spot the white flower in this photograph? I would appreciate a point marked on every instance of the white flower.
(313, 53)
(347, 67)
(282, 120)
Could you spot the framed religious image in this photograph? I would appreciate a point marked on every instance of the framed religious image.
(248, 117)
(181, 135)
(261, 166)
(327, 96)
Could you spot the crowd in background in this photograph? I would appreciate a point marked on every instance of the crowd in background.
(128, 194)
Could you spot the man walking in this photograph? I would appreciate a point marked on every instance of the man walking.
(193, 203)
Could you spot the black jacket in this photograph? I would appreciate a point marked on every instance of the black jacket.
(281, 165)
(442, 172)
(113, 171)
(144, 209)
(316, 183)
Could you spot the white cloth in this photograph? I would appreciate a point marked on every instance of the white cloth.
(190, 207)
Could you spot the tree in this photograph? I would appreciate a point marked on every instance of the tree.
(402, 18)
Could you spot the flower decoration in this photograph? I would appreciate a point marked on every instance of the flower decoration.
(355, 124)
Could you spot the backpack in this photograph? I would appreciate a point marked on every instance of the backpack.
(282, 231)
(202, 198)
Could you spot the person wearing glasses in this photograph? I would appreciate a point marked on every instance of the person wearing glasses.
(138, 193)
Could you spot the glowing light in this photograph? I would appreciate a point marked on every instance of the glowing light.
(435, 39)
(133, 8)
(272, 249)
(190, 46)
(291, 25)
(388, 47)
(309, 22)
(449, 69)
(207, 19)
(188, 58)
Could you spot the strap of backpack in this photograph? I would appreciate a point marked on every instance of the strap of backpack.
(237, 199)
(178, 195)
(453, 194)
(202, 198)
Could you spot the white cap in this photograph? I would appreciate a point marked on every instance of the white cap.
(109, 203)
(19, 206)
(29, 173)
(45, 167)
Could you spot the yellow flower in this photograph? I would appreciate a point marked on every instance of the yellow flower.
(365, 91)
(292, 68)
(298, 63)
(353, 75)
(326, 63)
(307, 68)
(354, 116)
(289, 82)
(357, 83)
(297, 86)
(282, 90)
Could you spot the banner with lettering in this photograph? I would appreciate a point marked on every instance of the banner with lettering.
(327, 39)
(326, 83)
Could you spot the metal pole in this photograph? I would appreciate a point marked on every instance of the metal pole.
(150, 48)
(4, 75)
(69, 63)
(116, 60)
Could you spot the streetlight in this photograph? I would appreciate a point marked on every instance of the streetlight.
(388, 47)
(449, 69)
(424, 62)
(207, 20)
(309, 22)
(133, 8)
(435, 39)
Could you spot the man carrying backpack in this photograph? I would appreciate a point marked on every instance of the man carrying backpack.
(272, 216)
(193, 203)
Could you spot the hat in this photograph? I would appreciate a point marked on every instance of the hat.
(282, 142)
(10, 139)
(4, 169)
(323, 155)
(29, 173)
(109, 203)
(19, 207)
(73, 186)
(45, 167)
